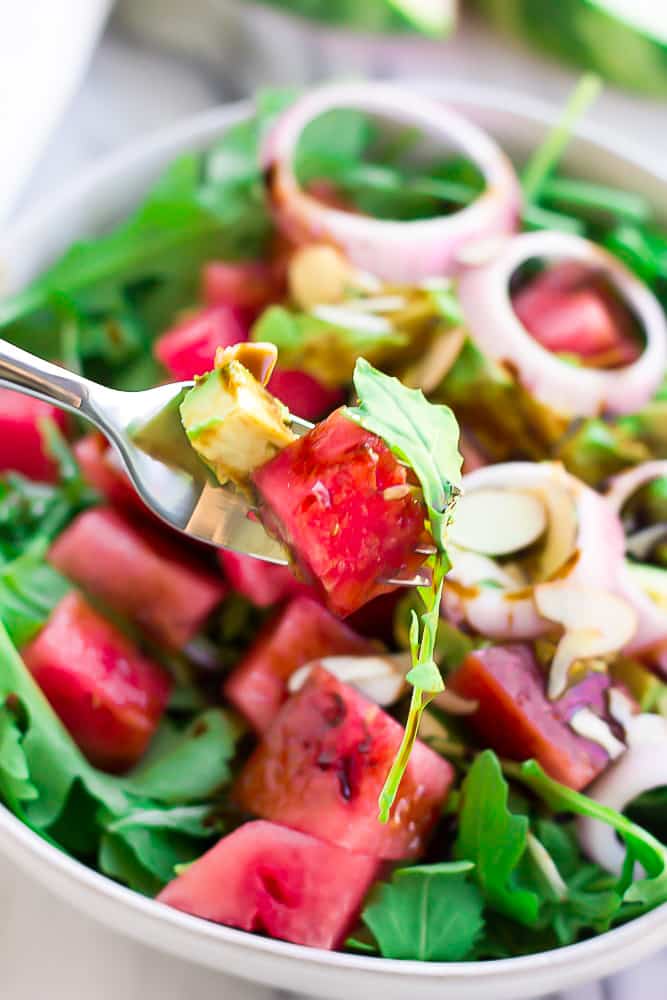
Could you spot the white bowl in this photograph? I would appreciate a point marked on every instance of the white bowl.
(98, 200)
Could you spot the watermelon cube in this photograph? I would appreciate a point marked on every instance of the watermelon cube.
(188, 349)
(262, 583)
(341, 502)
(321, 766)
(96, 461)
(303, 395)
(140, 572)
(264, 877)
(569, 309)
(247, 285)
(22, 447)
(107, 694)
(301, 632)
(516, 719)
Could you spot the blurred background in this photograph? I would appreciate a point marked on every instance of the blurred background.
(110, 74)
(125, 69)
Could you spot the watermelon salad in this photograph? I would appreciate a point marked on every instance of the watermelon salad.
(469, 769)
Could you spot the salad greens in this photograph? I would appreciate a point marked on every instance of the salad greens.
(518, 882)
(505, 895)
(139, 825)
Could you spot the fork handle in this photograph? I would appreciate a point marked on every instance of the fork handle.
(27, 373)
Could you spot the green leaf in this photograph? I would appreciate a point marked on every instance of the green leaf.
(543, 161)
(432, 913)
(422, 434)
(15, 784)
(29, 591)
(651, 854)
(195, 766)
(193, 821)
(118, 860)
(494, 839)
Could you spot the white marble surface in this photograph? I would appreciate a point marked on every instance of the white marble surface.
(46, 948)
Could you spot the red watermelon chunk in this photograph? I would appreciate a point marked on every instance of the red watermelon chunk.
(139, 572)
(322, 764)
(249, 285)
(107, 694)
(570, 310)
(95, 459)
(189, 348)
(22, 447)
(302, 631)
(261, 582)
(516, 719)
(303, 395)
(323, 495)
(264, 877)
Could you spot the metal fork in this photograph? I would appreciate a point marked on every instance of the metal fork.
(146, 432)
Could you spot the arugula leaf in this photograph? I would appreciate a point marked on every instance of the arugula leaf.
(29, 591)
(423, 435)
(31, 514)
(327, 351)
(15, 784)
(494, 839)
(645, 848)
(195, 766)
(545, 158)
(432, 913)
(190, 820)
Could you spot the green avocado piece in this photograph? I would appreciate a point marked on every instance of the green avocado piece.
(233, 423)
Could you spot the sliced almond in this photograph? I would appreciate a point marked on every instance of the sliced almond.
(589, 725)
(496, 522)
(316, 275)
(380, 304)
(596, 623)
(561, 538)
(455, 704)
(428, 372)
(347, 316)
(547, 866)
(380, 678)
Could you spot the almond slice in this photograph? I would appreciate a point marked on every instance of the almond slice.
(495, 522)
(380, 678)
(596, 623)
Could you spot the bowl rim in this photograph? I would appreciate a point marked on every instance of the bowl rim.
(190, 132)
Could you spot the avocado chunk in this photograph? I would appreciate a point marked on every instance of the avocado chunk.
(233, 423)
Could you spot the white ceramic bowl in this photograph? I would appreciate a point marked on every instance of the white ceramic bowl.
(98, 200)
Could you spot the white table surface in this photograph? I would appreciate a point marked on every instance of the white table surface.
(47, 949)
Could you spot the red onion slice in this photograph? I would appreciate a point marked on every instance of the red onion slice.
(594, 546)
(400, 252)
(641, 768)
(484, 293)
(652, 627)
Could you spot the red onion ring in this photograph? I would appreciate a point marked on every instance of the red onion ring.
(652, 626)
(509, 612)
(400, 252)
(484, 294)
(641, 768)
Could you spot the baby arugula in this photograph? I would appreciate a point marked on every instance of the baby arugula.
(424, 437)
(520, 883)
